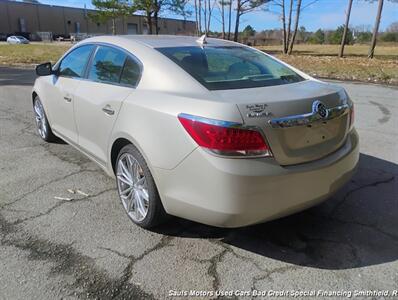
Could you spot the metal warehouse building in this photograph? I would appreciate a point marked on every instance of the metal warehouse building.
(29, 18)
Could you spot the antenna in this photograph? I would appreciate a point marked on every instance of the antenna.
(202, 40)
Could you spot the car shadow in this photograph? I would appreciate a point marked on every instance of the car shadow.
(356, 227)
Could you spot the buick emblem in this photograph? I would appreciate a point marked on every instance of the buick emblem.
(321, 109)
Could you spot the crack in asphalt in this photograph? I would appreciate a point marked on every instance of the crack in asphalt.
(60, 203)
(89, 282)
(125, 279)
(269, 273)
(118, 253)
(96, 284)
(213, 262)
(244, 258)
(354, 251)
(30, 129)
(36, 189)
(370, 226)
(212, 270)
(349, 193)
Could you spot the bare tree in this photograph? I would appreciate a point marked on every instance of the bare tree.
(222, 4)
(286, 13)
(289, 25)
(286, 22)
(296, 22)
(196, 17)
(243, 7)
(205, 16)
(393, 27)
(200, 16)
(210, 11)
(282, 4)
(347, 22)
(376, 29)
(229, 19)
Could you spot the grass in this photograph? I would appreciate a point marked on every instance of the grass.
(31, 54)
(316, 60)
(322, 61)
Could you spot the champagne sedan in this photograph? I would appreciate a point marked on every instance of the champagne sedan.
(204, 129)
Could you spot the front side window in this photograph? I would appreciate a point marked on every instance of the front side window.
(107, 65)
(235, 67)
(74, 64)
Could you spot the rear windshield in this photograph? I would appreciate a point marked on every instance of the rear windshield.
(221, 68)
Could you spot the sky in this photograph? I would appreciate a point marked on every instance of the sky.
(325, 14)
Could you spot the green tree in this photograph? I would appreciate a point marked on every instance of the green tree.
(389, 37)
(153, 8)
(363, 37)
(337, 35)
(110, 10)
(248, 31)
(317, 38)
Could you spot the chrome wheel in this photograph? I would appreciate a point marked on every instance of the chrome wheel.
(132, 186)
(40, 117)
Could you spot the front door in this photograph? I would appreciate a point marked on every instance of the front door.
(62, 92)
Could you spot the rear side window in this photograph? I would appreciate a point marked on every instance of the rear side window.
(74, 64)
(107, 65)
(131, 73)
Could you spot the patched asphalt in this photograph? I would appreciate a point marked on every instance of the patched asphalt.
(87, 247)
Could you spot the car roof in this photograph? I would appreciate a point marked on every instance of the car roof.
(160, 41)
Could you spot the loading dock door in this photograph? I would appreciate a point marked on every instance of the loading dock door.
(132, 28)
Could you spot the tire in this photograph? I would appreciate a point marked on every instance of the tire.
(137, 189)
(42, 125)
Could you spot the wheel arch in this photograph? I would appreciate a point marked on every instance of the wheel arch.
(118, 142)
(117, 145)
(34, 95)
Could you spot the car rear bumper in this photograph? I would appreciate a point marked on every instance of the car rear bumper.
(237, 192)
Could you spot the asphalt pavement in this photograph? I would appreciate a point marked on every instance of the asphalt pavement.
(86, 247)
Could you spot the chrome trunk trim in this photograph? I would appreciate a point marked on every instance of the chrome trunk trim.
(319, 113)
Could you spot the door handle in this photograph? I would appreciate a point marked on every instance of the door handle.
(108, 110)
(67, 99)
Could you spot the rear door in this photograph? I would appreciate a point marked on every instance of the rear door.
(61, 92)
(112, 76)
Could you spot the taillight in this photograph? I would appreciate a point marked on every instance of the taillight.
(352, 116)
(225, 138)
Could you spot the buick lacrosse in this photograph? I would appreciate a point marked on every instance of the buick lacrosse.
(204, 129)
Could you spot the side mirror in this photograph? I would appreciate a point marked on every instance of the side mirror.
(44, 69)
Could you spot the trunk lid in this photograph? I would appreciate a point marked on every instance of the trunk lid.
(302, 121)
